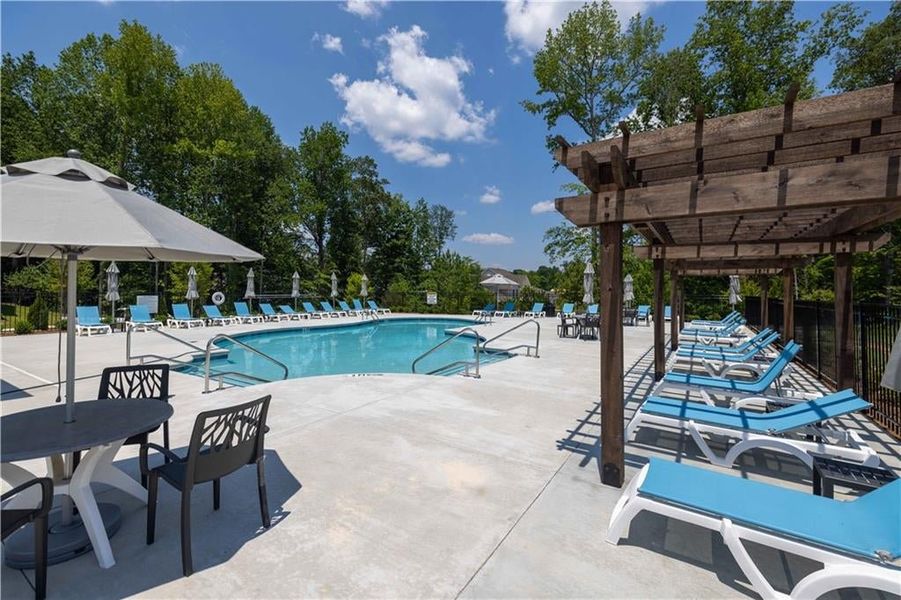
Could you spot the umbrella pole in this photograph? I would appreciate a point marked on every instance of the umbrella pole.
(71, 301)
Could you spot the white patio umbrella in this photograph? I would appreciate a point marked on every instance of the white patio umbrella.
(628, 291)
(498, 282)
(112, 285)
(734, 289)
(192, 293)
(891, 377)
(588, 283)
(250, 292)
(364, 286)
(295, 287)
(68, 207)
(334, 286)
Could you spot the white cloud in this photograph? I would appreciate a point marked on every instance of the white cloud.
(492, 195)
(365, 9)
(460, 213)
(329, 42)
(528, 21)
(415, 99)
(488, 239)
(545, 206)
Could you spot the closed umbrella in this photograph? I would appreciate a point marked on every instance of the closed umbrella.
(734, 289)
(69, 207)
(295, 287)
(250, 292)
(334, 286)
(891, 377)
(628, 291)
(364, 286)
(588, 283)
(112, 285)
(192, 294)
(498, 282)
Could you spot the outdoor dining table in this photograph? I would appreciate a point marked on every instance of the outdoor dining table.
(100, 429)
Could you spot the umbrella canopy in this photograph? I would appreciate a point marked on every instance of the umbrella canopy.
(295, 285)
(891, 378)
(112, 282)
(364, 286)
(334, 285)
(628, 291)
(734, 289)
(71, 207)
(192, 294)
(588, 283)
(250, 292)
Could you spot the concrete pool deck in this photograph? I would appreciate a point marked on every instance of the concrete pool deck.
(410, 486)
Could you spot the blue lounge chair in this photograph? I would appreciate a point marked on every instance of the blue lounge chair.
(667, 313)
(484, 312)
(141, 319)
(592, 309)
(214, 317)
(269, 313)
(536, 312)
(719, 361)
(568, 309)
(728, 319)
(737, 349)
(181, 317)
(705, 385)
(857, 542)
(509, 310)
(643, 313)
(786, 430)
(378, 309)
(327, 308)
(347, 309)
(88, 321)
(311, 312)
(729, 335)
(243, 314)
(291, 314)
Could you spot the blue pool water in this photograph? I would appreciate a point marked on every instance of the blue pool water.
(387, 346)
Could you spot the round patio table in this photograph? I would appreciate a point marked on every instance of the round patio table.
(100, 428)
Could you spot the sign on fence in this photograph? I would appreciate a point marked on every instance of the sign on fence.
(151, 302)
(431, 298)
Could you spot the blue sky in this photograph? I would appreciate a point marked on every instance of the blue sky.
(430, 89)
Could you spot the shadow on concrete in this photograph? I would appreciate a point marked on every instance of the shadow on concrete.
(9, 391)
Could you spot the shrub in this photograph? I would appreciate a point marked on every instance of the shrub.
(23, 328)
(39, 314)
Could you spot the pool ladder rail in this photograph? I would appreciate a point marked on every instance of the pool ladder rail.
(481, 346)
(207, 352)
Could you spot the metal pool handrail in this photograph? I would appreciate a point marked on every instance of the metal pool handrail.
(222, 374)
(157, 357)
(528, 347)
(466, 363)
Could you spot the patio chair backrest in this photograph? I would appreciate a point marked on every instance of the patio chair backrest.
(567, 308)
(212, 311)
(490, 307)
(287, 309)
(667, 312)
(308, 306)
(357, 304)
(592, 309)
(139, 313)
(509, 306)
(538, 307)
(150, 382)
(88, 315)
(776, 367)
(343, 305)
(267, 310)
(644, 309)
(225, 440)
(241, 309)
(372, 304)
(327, 307)
(181, 311)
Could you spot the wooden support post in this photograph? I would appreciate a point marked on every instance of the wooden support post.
(788, 305)
(844, 322)
(764, 282)
(612, 429)
(674, 310)
(659, 349)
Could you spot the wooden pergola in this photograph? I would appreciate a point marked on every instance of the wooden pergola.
(755, 193)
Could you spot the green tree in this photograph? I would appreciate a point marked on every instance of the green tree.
(863, 58)
(589, 68)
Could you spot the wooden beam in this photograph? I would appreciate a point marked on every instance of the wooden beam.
(843, 184)
(611, 291)
(759, 250)
(857, 219)
(693, 272)
(788, 305)
(674, 310)
(844, 322)
(590, 172)
(764, 282)
(622, 174)
(659, 349)
(724, 264)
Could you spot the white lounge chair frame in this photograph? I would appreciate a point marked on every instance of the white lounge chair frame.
(143, 325)
(186, 323)
(91, 329)
(782, 390)
(839, 570)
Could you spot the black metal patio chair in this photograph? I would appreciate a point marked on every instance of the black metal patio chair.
(223, 441)
(15, 518)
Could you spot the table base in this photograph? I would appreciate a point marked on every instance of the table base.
(64, 542)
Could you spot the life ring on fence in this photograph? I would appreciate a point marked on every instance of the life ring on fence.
(218, 298)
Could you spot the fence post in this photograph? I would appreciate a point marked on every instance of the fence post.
(864, 354)
(817, 312)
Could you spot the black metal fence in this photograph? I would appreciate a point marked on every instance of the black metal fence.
(876, 326)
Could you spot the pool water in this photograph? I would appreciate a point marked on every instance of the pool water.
(386, 346)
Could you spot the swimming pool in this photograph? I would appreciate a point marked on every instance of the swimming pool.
(385, 346)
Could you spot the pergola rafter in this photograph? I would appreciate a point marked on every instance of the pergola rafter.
(754, 193)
